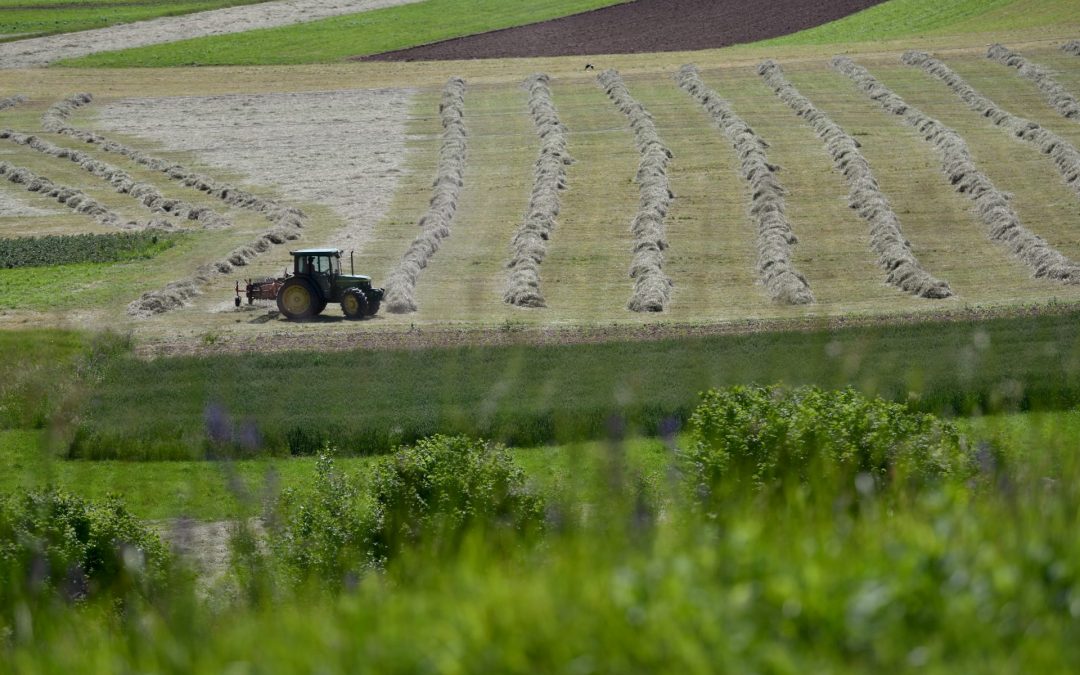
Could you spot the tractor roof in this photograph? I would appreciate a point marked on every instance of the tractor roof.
(317, 251)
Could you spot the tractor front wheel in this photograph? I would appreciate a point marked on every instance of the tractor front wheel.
(298, 299)
(373, 308)
(354, 303)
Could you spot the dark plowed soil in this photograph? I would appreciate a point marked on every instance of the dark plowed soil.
(641, 26)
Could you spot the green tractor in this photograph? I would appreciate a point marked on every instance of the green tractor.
(316, 280)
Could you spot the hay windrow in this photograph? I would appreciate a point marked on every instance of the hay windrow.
(529, 245)
(652, 288)
(1071, 47)
(147, 195)
(74, 199)
(864, 195)
(435, 224)
(1065, 155)
(1056, 95)
(782, 281)
(287, 221)
(9, 101)
(990, 204)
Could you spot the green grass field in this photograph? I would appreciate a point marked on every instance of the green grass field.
(337, 38)
(20, 19)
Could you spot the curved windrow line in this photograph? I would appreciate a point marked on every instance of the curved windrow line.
(1071, 47)
(864, 195)
(1066, 157)
(1055, 94)
(652, 288)
(287, 221)
(784, 283)
(10, 101)
(74, 199)
(529, 245)
(991, 205)
(435, 224)
(147, 194)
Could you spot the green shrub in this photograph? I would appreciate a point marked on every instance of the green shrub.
(53, 542)
(769, 436)
(69, 249)
(430, 493)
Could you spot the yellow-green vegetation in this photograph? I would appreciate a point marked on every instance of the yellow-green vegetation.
(341, 37)
(21, 19)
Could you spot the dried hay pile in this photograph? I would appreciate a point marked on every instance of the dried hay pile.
(287, 221)
(864, 195)
(9, 101)
(784, 283)
(652, 288)
(148, 195)
(991, 205)
(1071, 47)
(435, 224)
(1065, 155)
(1056, 95)
(529, 245)
(74, 199)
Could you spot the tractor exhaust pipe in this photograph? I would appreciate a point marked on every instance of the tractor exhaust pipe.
(352, 267)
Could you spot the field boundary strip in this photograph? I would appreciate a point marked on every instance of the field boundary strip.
(287, 221)
(991, 205)
(865, 195)
(146, 194)
(529, 243)
(446, 188)
(75, 199)
(1065, 155)
(1055, 94)
(775, 237)
(652, 288)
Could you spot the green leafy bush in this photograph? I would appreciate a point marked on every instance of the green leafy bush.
(68, 249)
(771, 435)
(51, 541)
(430, 493)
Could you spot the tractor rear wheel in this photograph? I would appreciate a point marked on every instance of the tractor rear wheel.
(298, 299)
(354, 303)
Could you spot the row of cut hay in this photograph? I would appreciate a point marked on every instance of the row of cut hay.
(9, 101)
(782, 281)
(652, 288)
(991, 205)
(435, 224)
(147, 194)
(529, 245)
(287, 221)
(73, 198)
(1071, 47)
(1065, 155)
(1056, 95)
(864, 195)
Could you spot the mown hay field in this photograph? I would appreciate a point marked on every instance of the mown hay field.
(711, 257)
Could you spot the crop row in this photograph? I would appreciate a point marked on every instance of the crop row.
(147, 194)
(435, 224)
(652, 288)
(72, 198)
(864, 195)
(69, 249)
(1064, 102)
(991, 205)
(784, 283)
(286, 221)
(1064, 154)
(529, 244)
(1071, 47)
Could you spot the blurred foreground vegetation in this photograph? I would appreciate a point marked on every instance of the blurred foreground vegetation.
(895, 543)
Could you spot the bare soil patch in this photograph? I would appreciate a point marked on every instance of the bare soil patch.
(343, 149)
(41, 51)
(640, 27)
